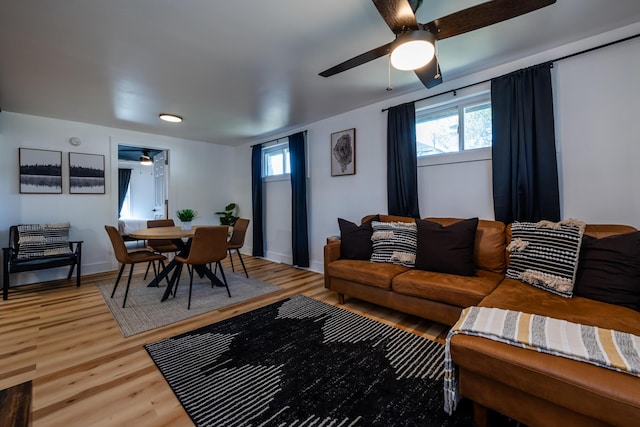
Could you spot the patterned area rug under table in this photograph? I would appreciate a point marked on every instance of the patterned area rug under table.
(304, 362)
(144, 311)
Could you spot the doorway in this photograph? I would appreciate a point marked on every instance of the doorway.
(146, 196)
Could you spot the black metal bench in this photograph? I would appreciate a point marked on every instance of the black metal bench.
(13, 263)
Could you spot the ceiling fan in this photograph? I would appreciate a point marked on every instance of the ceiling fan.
(400, 17)
(140, 154)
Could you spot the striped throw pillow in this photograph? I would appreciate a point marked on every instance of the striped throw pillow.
(545, 254)
(394, 242)
(38, 240)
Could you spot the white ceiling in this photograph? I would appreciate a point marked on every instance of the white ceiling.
(242, 69)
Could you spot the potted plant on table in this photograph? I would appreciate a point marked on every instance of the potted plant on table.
(227, 216)
(186, 216)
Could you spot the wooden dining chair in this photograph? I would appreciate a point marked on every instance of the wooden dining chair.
(209, 245)
(124, 257)
(161, 246)
(237, 241)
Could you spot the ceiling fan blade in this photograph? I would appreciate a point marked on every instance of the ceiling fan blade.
(430, 74)
(398, 14)
(482, 15)
(358, 60)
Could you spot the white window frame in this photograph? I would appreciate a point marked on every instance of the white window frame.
(461, 156)
(278, 145)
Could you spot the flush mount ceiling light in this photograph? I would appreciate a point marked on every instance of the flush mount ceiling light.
(413, 50)
(173, 118)
(145, 159)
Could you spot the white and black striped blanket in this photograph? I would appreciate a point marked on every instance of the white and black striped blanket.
(607, 348)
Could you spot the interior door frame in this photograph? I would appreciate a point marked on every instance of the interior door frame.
(113, 167)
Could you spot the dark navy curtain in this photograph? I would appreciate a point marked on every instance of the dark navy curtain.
(525, 171)
(402, 162)
(257, 199)
(124, 177)
(300, 235)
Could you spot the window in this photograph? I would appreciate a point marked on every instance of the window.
(275, 159)
(125, 212)
(454, 128)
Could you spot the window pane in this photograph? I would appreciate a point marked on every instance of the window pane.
(438, 133)
(274, 163)
(275, 160)
(125, 212)
(477, 126)
(287, 164)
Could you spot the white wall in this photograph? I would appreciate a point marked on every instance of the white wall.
(199, 179)
(596, 99)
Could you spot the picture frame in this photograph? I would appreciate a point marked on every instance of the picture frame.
(86, 173)
(343, 152)
(40, 171)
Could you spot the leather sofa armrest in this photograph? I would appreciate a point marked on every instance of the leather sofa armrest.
(331, 253)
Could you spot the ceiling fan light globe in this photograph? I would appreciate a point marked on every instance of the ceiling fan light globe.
(413, 50)
(145, 159)
(412, 55)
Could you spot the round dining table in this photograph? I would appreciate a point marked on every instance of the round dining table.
(170, 233)
(176, 235)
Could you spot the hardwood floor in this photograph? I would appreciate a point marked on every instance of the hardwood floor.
(84, 372)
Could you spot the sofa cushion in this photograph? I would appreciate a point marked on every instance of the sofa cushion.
(514, 295)
(40, 240)
(368, 273)
(394, 242)
(545, 254)
(356, 239)
(609, 270)
(461, 291)
(446, 249)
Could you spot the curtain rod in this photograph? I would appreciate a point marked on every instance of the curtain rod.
(267, 142)
(552, 61)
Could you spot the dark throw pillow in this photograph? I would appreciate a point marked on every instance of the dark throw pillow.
(609, 270)
(355, 241)
(447, 249)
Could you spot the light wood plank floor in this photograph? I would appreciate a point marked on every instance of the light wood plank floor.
(85, 373)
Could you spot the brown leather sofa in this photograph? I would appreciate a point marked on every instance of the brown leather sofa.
(435, 296)
(531, 387)
(540, 389)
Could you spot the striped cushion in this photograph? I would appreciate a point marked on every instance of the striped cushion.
(545, 254)
(38, 240)
(394, 242)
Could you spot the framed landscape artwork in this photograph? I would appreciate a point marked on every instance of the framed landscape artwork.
(343, 152)
(86, 173)
(40, 171)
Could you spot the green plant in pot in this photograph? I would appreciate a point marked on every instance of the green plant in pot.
(186, 216)
(228, 217)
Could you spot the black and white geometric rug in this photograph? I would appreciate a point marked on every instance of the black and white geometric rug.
(304, 362)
